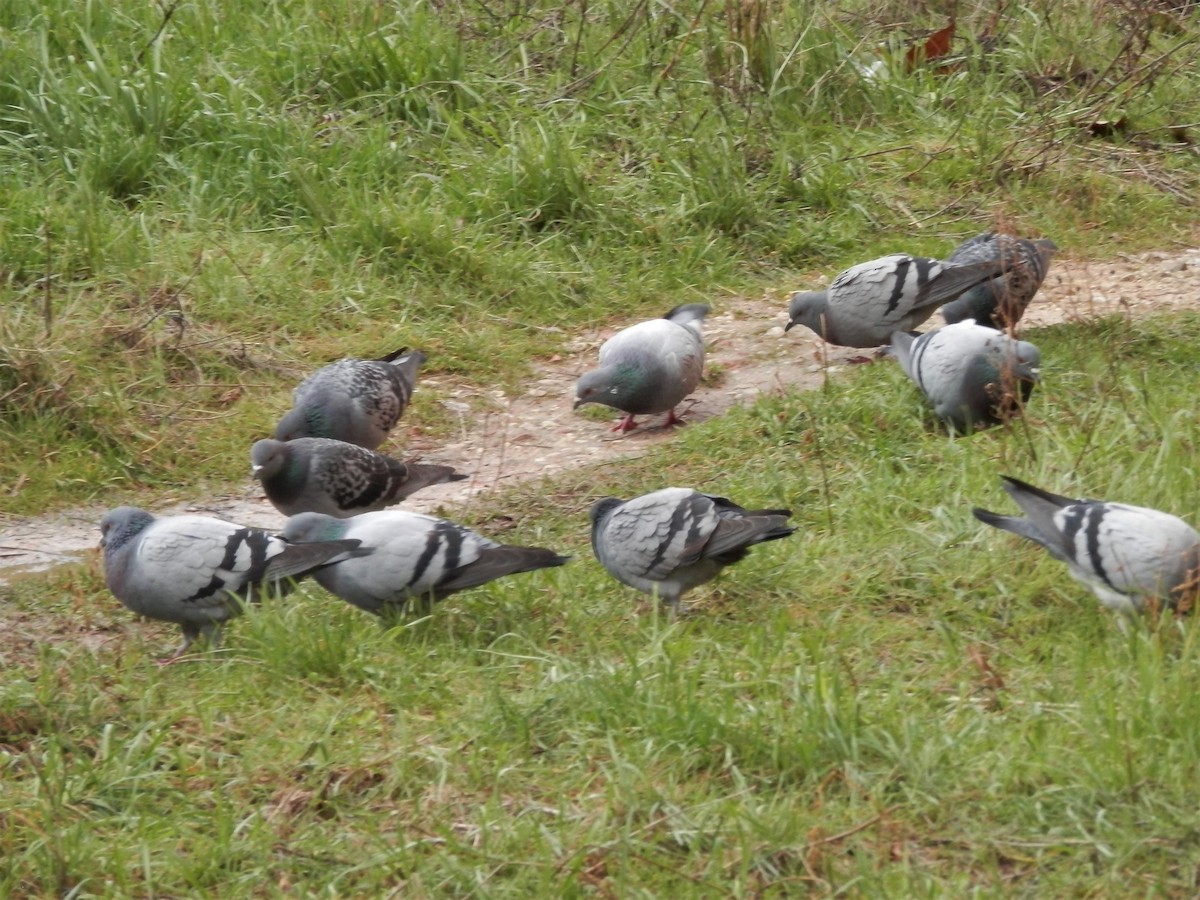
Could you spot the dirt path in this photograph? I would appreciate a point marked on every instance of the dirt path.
(538, 434)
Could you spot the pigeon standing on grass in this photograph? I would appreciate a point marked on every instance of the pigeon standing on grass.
(197, 571)
(354, 400)
(971, 375)
(667, 542)
(1130, 556)
(412, 556)
(336, 478)
(869, 301)
(1001, 301)
(648, 368)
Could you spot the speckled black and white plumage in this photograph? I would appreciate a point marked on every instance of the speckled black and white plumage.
(669, 541)
(197, 571)
(354, 400)
(413, 556)
(1130, 556)
(1001, 301)
(649, 367)
(867, 302)
(337, 478)
(972, 376)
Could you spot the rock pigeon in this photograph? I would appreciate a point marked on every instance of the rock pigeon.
(413, 556)
(1001, 301)
(1130, 556)
(649, 367)
(336, 478)
(197, 571)
(667, 542)
(971, 375)
(869, 301)
(353, 400)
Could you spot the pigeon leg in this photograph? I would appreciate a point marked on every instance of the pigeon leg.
(626, 424)
(673, 420)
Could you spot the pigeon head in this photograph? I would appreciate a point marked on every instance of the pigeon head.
(616, 386)
(268, 458)
(309, 526)
(121, 525)
(808, 308)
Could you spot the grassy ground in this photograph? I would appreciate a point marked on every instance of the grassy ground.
(202, 200)
(896, 701)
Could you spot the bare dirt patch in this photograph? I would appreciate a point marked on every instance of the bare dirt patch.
(536, 433)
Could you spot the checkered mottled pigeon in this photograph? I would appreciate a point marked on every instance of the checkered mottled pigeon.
(1130, 556)
(869, 301)
(971, 375)
(336, 478)
(649, 367)
(1001, 301)
(667, 542)
(412, 556)
(354, 400)
(197, 571)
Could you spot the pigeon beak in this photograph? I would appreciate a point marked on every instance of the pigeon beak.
(256, 472)
(578, 403)
(788, 326)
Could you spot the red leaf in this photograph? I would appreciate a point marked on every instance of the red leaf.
(936, 46)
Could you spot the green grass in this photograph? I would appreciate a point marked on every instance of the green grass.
(895, 701)
(294, 182)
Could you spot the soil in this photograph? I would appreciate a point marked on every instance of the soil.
(537, 433)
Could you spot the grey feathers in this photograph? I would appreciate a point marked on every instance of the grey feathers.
(1130, 556)
(971, 375)
(337, 478)
(667, 542)
(869, 301)
(649, 367)
(412, 556)
(1001, 301)
(195, 570)
(354, 400)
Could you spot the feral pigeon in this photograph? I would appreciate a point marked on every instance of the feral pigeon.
(971, 375)
(353, 400)
(667, 542)
(1130, 556)
(336, 478)
(197, 571)
(1001, 301)
(867, 302)
(413, 556)
(649, 367)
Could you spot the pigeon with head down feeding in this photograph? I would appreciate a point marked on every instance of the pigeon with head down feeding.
(649, 367)
(412, 556)
(197, 571)
(667, 542)
(1132, 557)
(337, 478)
(971, 375)
(866, 303)
(1001, 301)
(353, 400)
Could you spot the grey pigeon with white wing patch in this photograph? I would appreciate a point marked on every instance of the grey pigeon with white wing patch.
(649, 367)
(667, 542)
(1001, 301)
(337, 478)
(197, 571)
(413, 556)
(866, 303)
(354, 400)
(1131, 557)
(972, 376)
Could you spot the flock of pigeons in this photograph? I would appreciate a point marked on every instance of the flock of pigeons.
(322, 470)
